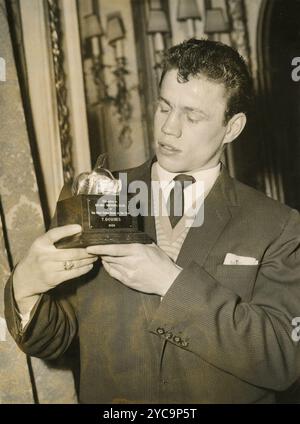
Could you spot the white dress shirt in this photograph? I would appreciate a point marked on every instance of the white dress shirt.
(205, 177)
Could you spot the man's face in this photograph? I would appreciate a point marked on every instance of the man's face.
(189, 126)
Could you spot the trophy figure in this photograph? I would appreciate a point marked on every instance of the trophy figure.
(96, 204)
(99, 181)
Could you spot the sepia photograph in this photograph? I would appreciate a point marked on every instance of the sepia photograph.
(149, 204)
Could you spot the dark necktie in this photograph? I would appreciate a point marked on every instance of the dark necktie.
(175, 204)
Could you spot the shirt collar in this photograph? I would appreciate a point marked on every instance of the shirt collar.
(205, 175)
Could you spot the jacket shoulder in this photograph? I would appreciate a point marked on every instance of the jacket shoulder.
(262, 208)
(136, 172)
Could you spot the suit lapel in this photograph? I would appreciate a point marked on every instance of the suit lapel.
(217, 214)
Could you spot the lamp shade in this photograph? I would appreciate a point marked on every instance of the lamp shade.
(92, 26)
(188, 9)
(115, 28)
(215, 21)
(157, 22)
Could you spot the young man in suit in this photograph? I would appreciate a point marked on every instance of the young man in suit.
(205, 313)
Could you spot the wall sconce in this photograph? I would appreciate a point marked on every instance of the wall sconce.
(215, 22)
(93, 34)
(157, 26)
(115, 34)
(188, 12)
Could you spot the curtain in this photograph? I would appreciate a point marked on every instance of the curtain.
(23, 380)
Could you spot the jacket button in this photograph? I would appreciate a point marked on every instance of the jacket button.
(177, 339)
(168, 335)
(160, 331)
(184, 344)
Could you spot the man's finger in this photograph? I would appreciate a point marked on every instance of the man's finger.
(121, 260)
(69, 254)
(60, 266)
(113, 249)
(58, 233)
(75, 272)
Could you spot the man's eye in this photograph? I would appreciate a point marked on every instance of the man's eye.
(192, 119)
(164, 108)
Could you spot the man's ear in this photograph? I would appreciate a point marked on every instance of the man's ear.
(234, 127)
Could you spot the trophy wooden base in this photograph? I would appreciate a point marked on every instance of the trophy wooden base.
(98, 228)
(99, 237)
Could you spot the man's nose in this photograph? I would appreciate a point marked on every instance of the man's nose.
(172, 125)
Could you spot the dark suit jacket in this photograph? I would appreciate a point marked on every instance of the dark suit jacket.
(221, 334)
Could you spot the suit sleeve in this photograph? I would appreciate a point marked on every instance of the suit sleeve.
(250, 340)
(52, 325)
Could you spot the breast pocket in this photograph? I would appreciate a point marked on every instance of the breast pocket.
(238, 278)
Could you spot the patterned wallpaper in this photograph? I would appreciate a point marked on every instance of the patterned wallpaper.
(21, 222)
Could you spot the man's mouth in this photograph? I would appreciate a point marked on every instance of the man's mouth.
(166, 148)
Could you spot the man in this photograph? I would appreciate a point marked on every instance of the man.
(205, 314)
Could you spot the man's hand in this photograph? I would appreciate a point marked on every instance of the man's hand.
(43, 267)
(142, 267)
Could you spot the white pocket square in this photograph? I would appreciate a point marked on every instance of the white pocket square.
(232, 259)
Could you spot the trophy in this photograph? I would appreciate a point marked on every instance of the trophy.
(100, 206)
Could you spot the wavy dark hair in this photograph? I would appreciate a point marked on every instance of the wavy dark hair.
(216, 62)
